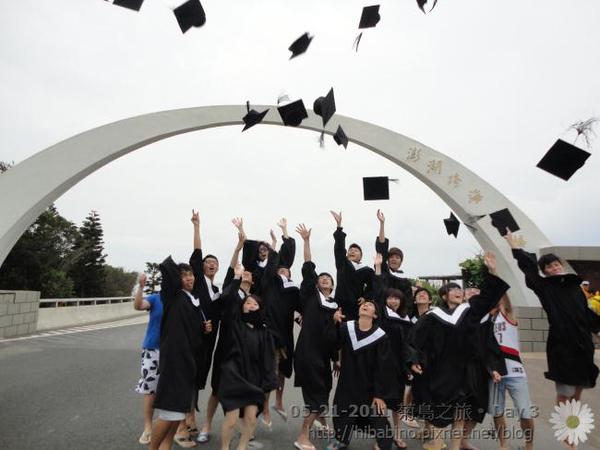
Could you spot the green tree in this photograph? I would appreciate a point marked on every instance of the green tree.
(37, 261)
(89, 260)
(154, 278)
(473, 271)
(118, 282)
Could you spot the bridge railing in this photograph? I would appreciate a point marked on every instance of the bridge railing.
(66, 302)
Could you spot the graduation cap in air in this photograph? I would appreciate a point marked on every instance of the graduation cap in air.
(422, 4)
(325, 107)
(503, 219)
(129, 4)
(452, 225)
(340, 137)
(376, 188)
(300, 45)
(368, 19)
(253, 117)
(190, 14)
(563, 159)
(293, 113)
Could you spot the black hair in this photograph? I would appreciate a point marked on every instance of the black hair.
(397, 293)
(326, 274)
(210, 256)
(356, 246)
(183, 267)
(396, 251)
(422, 289)
(446, 288)
(547, 259)
(377, 309)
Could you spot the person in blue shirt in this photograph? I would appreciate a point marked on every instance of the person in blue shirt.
(150, 353)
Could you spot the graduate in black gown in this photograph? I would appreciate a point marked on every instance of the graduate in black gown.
(569, 348)
(391, 274)
(396, 323)
(213, 400)
(313, 357)
(440, 350)
(181, 339)
(281, 296)
(248, 364)
(255, 257)
(368, 375)
(354, 279)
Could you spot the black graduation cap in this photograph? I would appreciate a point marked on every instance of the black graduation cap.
(253, 117)
(370, 17)
(563, 159)
(300, 45)
(340, 137)
(503, 219)
(129, 4)
(422, 4)
(293, 113)
(325, 107)
(452, 225)
(376, 188)
(190, 14)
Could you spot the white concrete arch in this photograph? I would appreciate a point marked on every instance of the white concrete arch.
(28, 188)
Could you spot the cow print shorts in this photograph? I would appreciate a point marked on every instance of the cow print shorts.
(149, 372)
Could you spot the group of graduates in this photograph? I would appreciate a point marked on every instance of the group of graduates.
(367, 325)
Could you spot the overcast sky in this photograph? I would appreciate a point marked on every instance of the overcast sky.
(490, 83)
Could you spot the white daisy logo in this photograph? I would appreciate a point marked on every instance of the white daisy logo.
(572, 422)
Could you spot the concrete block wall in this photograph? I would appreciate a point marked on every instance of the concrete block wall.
(533, 328)
(18, 313)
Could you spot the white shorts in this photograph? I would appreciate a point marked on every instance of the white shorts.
(149, 372)
(169, 416)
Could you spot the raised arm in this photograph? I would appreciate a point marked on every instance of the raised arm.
(287, 252)
(492, 290)
(238, 222)
(139, 303)
(526, 262)
(381, 218)
(339, 248)
(196, 221)
(378, 284)
(305, 235)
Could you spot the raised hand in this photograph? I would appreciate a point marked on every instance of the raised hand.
(303, 231)
(489, 259)
(238, 222)
(273, 239)
(282, 223)
(337, 217)
(238, 271)
(142, 279)
(195, 218)
(241, 240)
(378, 259)
(510, 238)
(380, 216)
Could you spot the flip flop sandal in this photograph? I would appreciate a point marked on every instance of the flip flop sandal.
(400, 446)
(300, 446)
(203, 437)
(145, 438)
(184, 442)
(281, 412)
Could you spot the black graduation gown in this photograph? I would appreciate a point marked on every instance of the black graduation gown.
(281, 299)
(486, 358)
(248, 367)
(397, 328)
(569, 348)
(181, 340)
(251, 263)
(392, 281)
(368, 370)
(211, 308)
(351, 283)
(313, 356)
(232, 295)
(442, 343)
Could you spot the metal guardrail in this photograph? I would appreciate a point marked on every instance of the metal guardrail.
(66, 302)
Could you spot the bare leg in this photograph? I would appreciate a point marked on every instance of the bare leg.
(457, 434)
(437, 442)
(527, 427)
(167, 442)
(397, 419)
(190, 420)
(182, 431)
(500, 425)
(279, 393)
(304, 436)
(249, 424)
(160, 431)
(578, 391)
(211, 408)
(227, 427)
(266, 413)
(468, 427)
(148, 412)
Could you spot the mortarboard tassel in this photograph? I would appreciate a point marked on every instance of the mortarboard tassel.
(357, 41)
(322, 139)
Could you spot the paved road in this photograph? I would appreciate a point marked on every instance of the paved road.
(75, 391)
